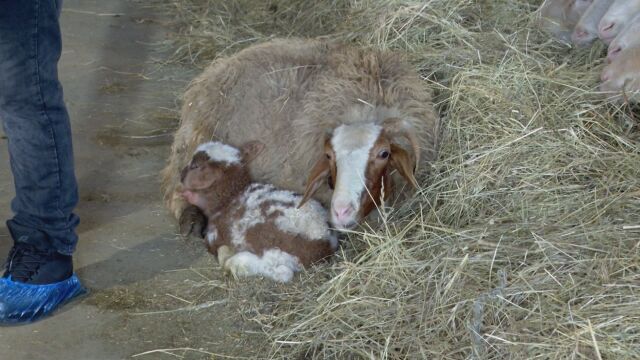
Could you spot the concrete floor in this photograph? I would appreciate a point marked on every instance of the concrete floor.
(122, 105)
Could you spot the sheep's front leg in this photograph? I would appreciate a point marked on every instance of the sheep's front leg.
(192, 222)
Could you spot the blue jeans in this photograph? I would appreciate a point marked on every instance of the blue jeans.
(36, 123)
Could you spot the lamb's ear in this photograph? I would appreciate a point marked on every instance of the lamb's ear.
(401, 161)
(250, 150)
(317, 176)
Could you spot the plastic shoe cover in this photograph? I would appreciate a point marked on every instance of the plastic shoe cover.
(24, 303)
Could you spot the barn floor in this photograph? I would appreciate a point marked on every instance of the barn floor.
(145, 281)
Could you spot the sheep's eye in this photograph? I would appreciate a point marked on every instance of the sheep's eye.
(328, 156)
(383, 154)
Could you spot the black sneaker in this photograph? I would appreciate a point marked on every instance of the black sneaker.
(35, 284)
(29, 265)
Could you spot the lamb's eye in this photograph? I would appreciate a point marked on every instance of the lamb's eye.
(383, 154)
(328, 156)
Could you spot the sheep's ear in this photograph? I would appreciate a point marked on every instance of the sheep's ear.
(319, 172)
(251, 150)
(401, 161)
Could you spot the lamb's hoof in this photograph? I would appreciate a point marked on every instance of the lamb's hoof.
(237, 268)
(193, 222)
(224, 253)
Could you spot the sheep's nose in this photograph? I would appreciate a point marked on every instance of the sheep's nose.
(343, 214)
(606, 28)
(613, 52)
(580, 34)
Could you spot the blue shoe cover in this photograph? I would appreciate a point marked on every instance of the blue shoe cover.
(24, 303)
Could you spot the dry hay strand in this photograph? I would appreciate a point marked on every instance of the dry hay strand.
(211, 28)
(523, 241)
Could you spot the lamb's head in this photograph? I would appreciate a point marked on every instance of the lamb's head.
(357, 162)
(216, 173)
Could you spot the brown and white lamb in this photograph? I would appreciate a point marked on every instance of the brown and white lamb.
(253, 228)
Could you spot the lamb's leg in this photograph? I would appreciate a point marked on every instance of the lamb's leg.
(246, 264)
(224, 253)
(279, 265)
(281, 273)
(243, 263)
(193, 222)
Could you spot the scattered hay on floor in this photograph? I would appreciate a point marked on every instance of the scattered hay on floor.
(524, 241)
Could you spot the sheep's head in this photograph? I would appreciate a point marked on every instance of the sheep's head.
(574, 9)
(617, 18)
(216, 172)
(586, 31)
(559, 17)
(626, 40)
(621, 78)
(357, 162)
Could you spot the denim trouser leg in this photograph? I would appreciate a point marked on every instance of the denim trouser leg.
(37, 126)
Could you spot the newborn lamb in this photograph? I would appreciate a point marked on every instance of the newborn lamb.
(254, 229)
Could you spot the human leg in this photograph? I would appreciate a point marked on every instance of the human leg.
(39, 270)
(37, 126)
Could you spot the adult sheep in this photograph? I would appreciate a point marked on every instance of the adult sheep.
(348, 116)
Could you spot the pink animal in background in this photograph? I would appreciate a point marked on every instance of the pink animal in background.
(615, 22)
(622, 76)
(628, 38)
(617, 18)
(559, 17)
(586, 31)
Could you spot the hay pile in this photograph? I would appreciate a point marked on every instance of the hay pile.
(524, 241)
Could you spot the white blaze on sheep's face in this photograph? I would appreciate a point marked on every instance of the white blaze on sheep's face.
(351, 144)
(220, 152)
(616, 18)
